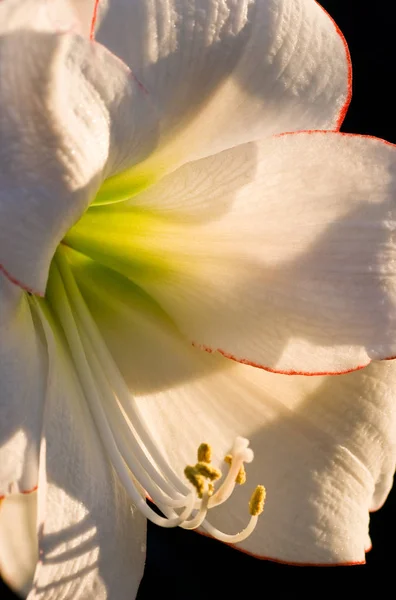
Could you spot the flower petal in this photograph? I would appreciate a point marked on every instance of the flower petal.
(324, 449)
(278, 254)
(91, 544)
(324, 446)
(223, 73)
(87, 14)
(23, 368)
(78, 16)
(18, 540)
(41, 15)
(65, 102)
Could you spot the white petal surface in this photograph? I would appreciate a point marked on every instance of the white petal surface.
(18, 541)
(87, 12)
(324, 449)
(41, 15)
(224, 72)
(324, 446)
(58, 16)
(92, 544)
(23, 368)
(280, 254)
(71, 115)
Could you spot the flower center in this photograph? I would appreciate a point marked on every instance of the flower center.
(140, 465)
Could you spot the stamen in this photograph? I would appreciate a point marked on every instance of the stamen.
(200, 517)
(139, 464)
(94, 396)
(127, 401)
(231, 539)
(143, 453)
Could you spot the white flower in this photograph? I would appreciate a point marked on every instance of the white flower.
(147, 215)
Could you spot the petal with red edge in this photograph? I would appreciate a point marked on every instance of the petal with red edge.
(324, 449)
(324, 446)
(279, 254)
(65, 102)
(226, 73)
(87, 12)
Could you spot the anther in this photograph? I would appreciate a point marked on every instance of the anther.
(204, 453)
(208, 471)
(197, 480)
(256, 504)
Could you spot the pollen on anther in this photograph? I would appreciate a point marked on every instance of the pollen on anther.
(208, 471)
(256, 504)
(204, 453)
(197, 480)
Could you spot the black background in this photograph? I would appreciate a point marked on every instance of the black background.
(184, 565)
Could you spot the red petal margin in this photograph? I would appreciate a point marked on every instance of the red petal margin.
(94, 19)
(301, 564)
(244, 361)
(19, 283)
(344, 109)
(33, 489)
(286, 562)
